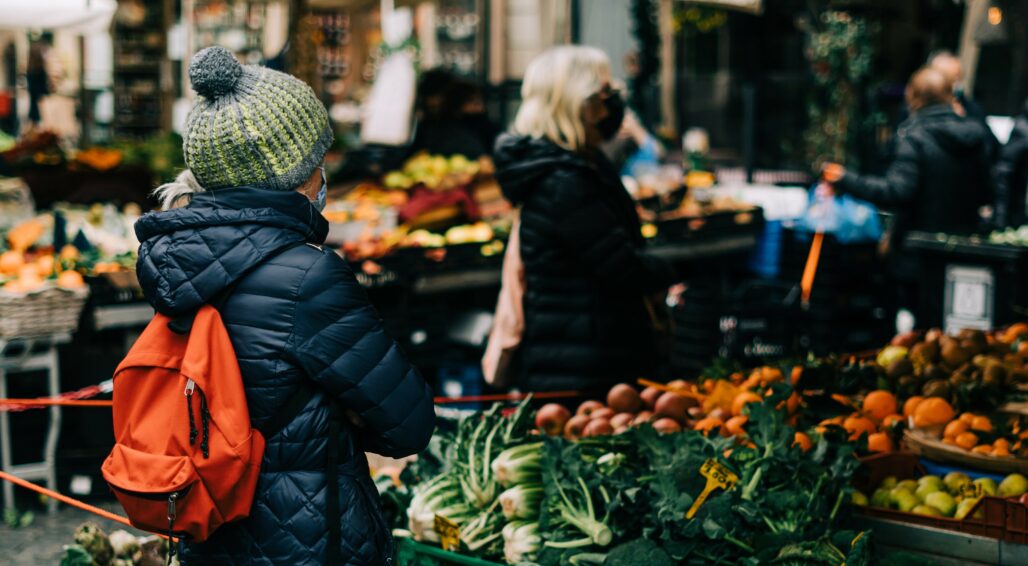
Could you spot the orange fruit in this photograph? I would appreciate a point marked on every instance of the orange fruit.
(982, 424)
(797, 372)
(950, 440)
(879, 442)
(45, 265)
(857, 425)
(983, 449)
(802, 440)
(11, 262)
(707, 424)
(955, 427)
(842, 399)
(967, 418)
(966, 440)
(1001, 447)
(741, 400)
(932, 411)
(879, 404)
(734, 426)
(793, 403)
(891, 420)
(911, 404)
(70, 280)
(69, 253)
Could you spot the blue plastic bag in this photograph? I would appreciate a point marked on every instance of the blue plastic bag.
(848, 219)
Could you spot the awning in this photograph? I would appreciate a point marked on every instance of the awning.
(79, 16)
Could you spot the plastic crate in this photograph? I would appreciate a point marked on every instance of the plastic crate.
(411, 553)
(904, 465)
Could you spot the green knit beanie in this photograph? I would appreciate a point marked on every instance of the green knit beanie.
(252, 126)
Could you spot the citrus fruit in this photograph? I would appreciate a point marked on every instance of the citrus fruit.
(734, 426)
(967, 418)
(955, 427)
(932, 411)
(879, 442)
(911, 404)
(11, 262)
(879, 404)
(983, 449)
(741, 400)
(801, 439)
(982, 424)
(707, 424)
(966, 440)
(857, 425)
(891, 420)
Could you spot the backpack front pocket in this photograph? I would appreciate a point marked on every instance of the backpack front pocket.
(156, 490)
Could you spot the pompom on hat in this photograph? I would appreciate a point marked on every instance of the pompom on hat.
(252, 126)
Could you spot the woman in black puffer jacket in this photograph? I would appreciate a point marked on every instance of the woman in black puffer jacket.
(251, 242)
(586, 278)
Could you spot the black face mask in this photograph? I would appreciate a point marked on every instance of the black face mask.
(610, 125)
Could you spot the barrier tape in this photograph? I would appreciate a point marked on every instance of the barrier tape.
(69, 399)
(80, 398)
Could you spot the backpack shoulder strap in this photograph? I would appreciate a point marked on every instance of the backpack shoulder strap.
(183, 323)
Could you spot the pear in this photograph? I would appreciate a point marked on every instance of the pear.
(942, 501)
(926, 510)
(889, 482)
(988, 486)
(931, 480)
(909, 485)
(858, 498)
(926, 489)
(904, 500)
(1014, 485)
(964, 507)
(881, 498)
(954, 480)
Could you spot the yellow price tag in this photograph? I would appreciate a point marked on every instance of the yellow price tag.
(718, 477)
(449, 533)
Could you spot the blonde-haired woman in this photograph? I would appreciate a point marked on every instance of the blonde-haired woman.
(586, 324)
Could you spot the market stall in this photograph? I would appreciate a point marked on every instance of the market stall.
(844, 459)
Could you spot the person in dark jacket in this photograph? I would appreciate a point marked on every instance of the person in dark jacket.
(937, 182)
(940, 175)
(950, 66)
(586, 277)
(1011, 175)
(295, 314)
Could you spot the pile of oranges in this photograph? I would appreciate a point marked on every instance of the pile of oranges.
(877, 416)
(967, 432)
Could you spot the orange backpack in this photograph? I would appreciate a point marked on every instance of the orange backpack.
(186, 459)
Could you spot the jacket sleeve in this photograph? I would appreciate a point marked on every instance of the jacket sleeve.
(896, 188)
(589, 230)
(339, 341)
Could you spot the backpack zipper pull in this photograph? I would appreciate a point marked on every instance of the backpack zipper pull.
(171, 527)
(190, 386)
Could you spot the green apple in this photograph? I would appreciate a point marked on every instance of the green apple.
(964, 507)
(881, 498)
(926, 510)
(925, 489)
(931, 480)
(889, 482)
(904, 500)
(858, 499)
(954, 480)
(988, 485)
(1013, 485)
(942, 501)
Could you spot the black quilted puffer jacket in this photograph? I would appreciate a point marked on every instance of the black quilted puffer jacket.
(586, 275)
(298, 316)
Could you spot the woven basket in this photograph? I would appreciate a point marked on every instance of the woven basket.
(52, 310)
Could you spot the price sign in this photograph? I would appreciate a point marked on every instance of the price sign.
(968, 298)
(972, 490)
(718, 477)
(449, 533)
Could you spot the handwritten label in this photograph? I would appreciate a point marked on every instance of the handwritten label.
(449, 533)
(972, 490)
(718, 477)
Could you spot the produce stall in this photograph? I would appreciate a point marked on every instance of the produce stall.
(818, 461)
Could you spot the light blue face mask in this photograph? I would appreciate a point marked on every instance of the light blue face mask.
(319, 201)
